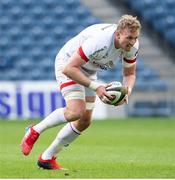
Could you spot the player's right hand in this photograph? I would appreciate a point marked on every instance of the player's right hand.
(103, 95)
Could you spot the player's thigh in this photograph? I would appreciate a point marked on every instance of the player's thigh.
(81, 101)
(75, 109)
(85, 120)
(90, 97)
(75, 102)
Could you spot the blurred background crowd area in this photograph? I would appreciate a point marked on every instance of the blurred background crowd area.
(32, 32)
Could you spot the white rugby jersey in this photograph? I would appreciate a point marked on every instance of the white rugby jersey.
(95, 45)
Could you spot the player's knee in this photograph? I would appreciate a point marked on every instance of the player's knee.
(74, 114)
(83, 123)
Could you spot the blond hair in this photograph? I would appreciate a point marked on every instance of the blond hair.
(128, 22)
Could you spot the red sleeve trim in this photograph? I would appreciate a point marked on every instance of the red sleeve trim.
(129, 60)
(83, 56)
(67, 84)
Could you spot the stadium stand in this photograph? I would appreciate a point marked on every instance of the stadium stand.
(159, 14)
(32, 32)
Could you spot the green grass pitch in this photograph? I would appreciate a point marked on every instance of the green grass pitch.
(129, 148)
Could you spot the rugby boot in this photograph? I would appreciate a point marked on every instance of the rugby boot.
(28, 140)
(49, 164)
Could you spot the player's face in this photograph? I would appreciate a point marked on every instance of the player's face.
(126, 39)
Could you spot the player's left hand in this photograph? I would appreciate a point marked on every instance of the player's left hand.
(126, 99)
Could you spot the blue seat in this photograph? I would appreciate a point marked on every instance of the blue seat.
(5, 63)
(35, 74)
(51, 4)
(5, 23)
(151, 15)
(142, 108)
(13, 74)
(36, 53)
(71, 4)
(148, 74)
(6, 4)
(140, 6)
(37, 32)
(48, 22)
(38, 12)
(26, 43)
(170, 4)
(14, 33)
(163, 108)
(16, 13)
(71, 22)
(150, 108)
(4, 43)
(27, 4)
(91, 20)
(59, 12)
(24, 63)
(164, 23)
(26, 23)
(13, 53)
(169, 34)
(159, 14)
(82, 12)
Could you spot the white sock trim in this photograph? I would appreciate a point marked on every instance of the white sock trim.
(66, 136)
(74, 128)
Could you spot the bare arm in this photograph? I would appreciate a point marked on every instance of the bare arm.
(129, 75)
(72, 70)
(128, 81)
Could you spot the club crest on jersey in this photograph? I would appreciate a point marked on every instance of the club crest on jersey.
(97, 54)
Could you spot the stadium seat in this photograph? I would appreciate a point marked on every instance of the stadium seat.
(72, 4)
(50, 3)
(150, 108)
(82, 12)
(159, 14)
(149, 15)
(6, 4)
(161, 25)
(4, 43)
(26, 23)
(38, 29)
(4, 23)
(14, 33)
(169, 34)
(37, 32)
(59, 12)
(38, 12)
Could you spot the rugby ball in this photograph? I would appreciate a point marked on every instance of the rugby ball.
(117, 91)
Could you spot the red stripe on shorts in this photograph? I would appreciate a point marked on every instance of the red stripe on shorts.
(83, 56)
(129, 61)
(67, 84)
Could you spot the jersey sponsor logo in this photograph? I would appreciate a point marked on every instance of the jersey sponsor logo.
(108, 65)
